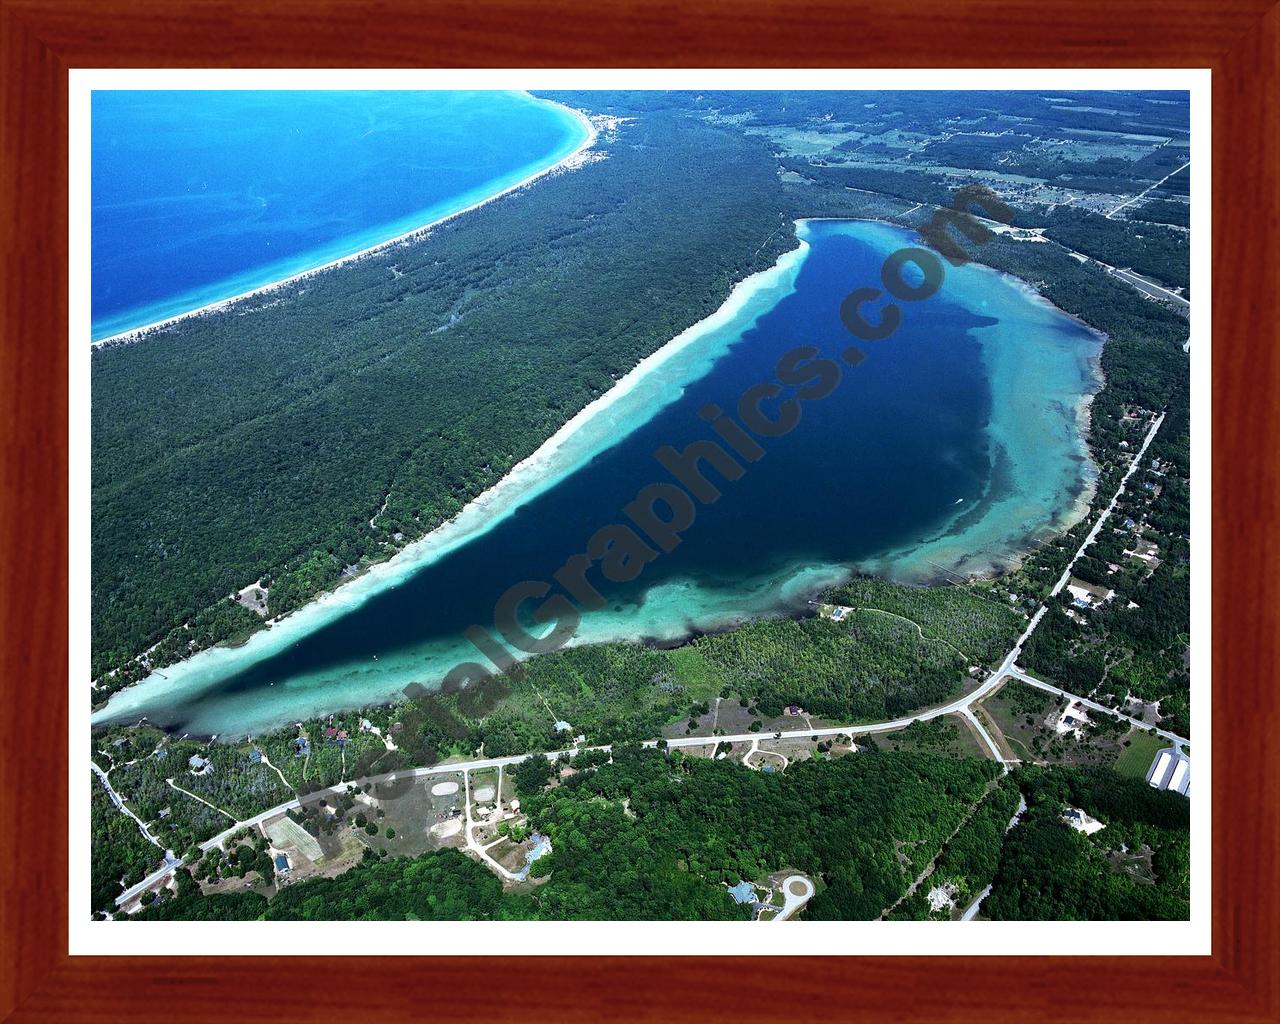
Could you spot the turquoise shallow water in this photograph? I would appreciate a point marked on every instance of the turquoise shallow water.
(200, 196)
(955, 443)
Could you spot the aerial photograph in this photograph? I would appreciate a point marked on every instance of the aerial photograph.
(629, 505)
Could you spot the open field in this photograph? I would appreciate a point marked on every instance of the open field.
(948, 734)
(1136, 757)
(1041, 728)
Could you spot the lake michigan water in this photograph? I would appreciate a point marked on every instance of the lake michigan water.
(199, 196)
(956, 443)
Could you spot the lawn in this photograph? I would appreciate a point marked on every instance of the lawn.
(1136, 758)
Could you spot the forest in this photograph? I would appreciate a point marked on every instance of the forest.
(1160, 252)
(653, 835)
(867, 668)
(121, 856)
(970, 858)
(261, 443)
(1137, 868)
(982, 630)
(873, 666)
(305, 435)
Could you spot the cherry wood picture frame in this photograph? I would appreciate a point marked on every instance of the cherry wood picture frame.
(40, 40)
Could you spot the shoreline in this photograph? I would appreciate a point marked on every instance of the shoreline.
(970, 564)
(556, 458)
(136, 334)
(522, 482)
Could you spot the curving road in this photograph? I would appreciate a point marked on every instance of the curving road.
(962, 705)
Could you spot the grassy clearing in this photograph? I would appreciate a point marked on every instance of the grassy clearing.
(981, 628)
(946, 735)
(1135, 759)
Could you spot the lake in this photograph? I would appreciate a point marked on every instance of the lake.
(957, 443)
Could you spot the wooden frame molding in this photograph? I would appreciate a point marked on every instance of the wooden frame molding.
(41, 39)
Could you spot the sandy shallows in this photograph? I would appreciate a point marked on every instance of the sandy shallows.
(482, 794)
(444, 788)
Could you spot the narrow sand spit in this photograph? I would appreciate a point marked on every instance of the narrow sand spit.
(560, 455)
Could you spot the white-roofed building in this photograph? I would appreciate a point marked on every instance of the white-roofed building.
(1161, 769)
(1171, 770)
(1082, 822)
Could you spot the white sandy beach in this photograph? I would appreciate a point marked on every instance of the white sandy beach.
(567, 162)
(669, 609)
(561, 454)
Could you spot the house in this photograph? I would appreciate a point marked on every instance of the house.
(1074, 719)
(282, 863)
(563, 726)
(1082, 822)
(1088, 595)
(743, 892)
(1145, 551)
(942, 897)
(795, 710)
(255, 757)
(301, 747)
(200, 765)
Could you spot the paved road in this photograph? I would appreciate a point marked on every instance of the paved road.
(170, 861)
(1172, 737)
(1140, 195)
(792, 901)
(972, 912)
(121, 806)
(1149, 287)
(1008, 669)
(1097, 527)
(985, 736)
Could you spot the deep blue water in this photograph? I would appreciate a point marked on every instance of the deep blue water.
(879, 463)
(199, 196)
